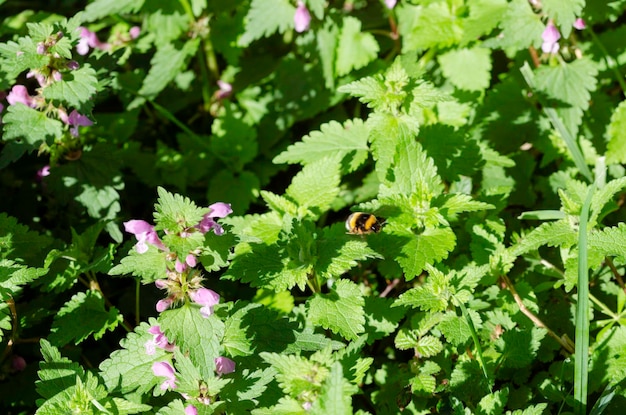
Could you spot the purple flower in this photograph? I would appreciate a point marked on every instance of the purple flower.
(18, 363)
(302, 18)
(191, 410)
(217, 210)
(72, 65)
(224, 365)
(180, 267)
(159, 340)
(76, 119)
(144, 232)
(89, 39)
(579, 24)
(390, 4)
(41, 79)
(19, 93)
(166, 370)
(550, 38)
(206, 298)
(41, 48)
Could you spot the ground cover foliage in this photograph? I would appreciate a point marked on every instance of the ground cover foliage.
(176, 176)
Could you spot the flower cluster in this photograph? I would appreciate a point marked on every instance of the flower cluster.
(89, 40)
(182, 281)
(551, 36)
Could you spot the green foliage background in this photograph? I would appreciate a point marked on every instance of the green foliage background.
(444, 118)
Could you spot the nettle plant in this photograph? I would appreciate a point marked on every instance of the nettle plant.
(485, 136)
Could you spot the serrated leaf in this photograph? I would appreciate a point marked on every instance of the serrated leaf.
(570, 84)
(167, 63)
(176, 213)
(295, 374)
(82, 316)
(355, 49)
(19, 242)
(434, 25)
(608, 242)
(455, 329)
(77, 89)
(56, 373)
(519, 347)
(429, 247)
(564, 13)
(521, 27)
(195, 335)
(267, 17)
(616, 148)
(317, 185)
(31, 126)
(150, 266)
(432, 296)
(348, 140)
(484, 16)
(333, 398)
(558, 233)
(130, 368)
(476, 64)
(340, 311)
(460, 202)
(102, 8)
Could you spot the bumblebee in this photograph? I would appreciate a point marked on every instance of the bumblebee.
(360, 223)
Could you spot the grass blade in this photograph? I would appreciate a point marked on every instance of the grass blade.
(581, 364)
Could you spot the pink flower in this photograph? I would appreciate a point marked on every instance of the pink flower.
(191, 260)
(225, 89)
(164, 304)
(217, 210)
(159, 340)
(161, 284)
(550, 38)
(43, 172)
(134, 32)
(89, 39)
(144, 232)
(224, 365)
(72, 65)
(390, 4)
(180, 267)
(302, 18)
(191, 410)
(206, 298)
(19, 94)
(579, 24)
(166, 370)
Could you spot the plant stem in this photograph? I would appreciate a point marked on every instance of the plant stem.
(565, 343)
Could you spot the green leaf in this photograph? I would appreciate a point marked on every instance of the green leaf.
(455, 329)
(195, 335)
(317, 185)
(349, 141)
(355, 49)
(484, 16)
(233, 140)
(340, 311)
(167, 63)
(239, 189)
(56, 373)
(83, 315)
(17, 242)
(265, 18)
(13, 275)
(333, 398)
(454, 203)
(519, 347)
(476, 64)
(101, 8)
(570, 84)
(338, 252)
(429, 247)
(413, 173)
(150, 266)
(77, 89)
(616, 148)
(434, 25)
(558, 233)
(176, 213)
(493, 403)
(295, 374)
(21, 56)
(130, 368)
(30, 126)
(432, 296)
(521, 27)
(609, 242)
(564, 13)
